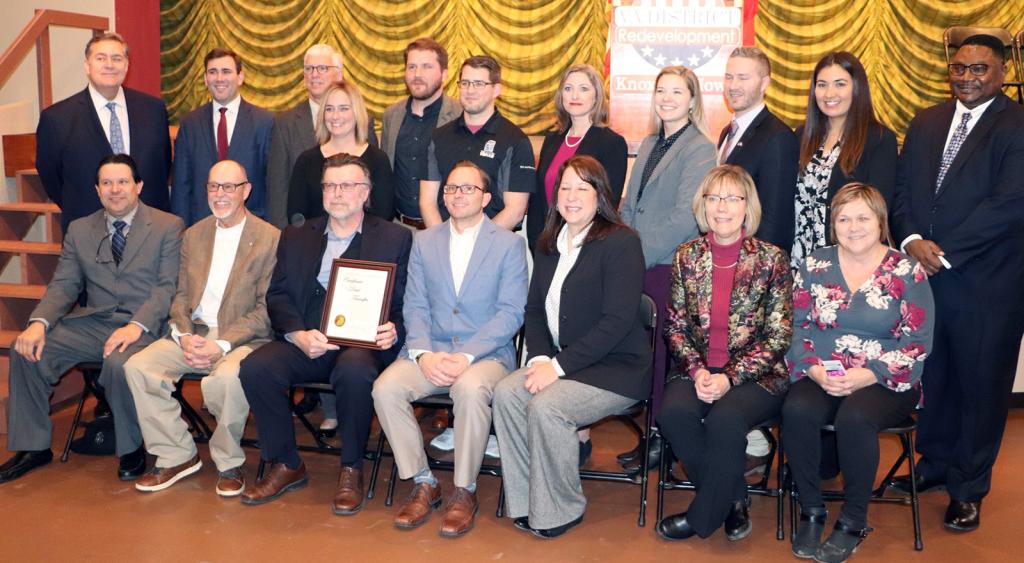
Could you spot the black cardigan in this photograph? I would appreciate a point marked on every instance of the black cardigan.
(601, 329)
(605, 145)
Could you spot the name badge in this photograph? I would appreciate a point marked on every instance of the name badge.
(489, 149)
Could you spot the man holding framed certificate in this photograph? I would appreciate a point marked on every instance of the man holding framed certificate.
(463, 306)
(300, 289)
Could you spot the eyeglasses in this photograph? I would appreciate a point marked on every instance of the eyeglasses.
(228, 188)
(467, 189)
(321, 69)
(977, 69)
(473, 84)
(712, 199)
(346, 187)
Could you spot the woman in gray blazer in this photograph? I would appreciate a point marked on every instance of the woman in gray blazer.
(669, 167)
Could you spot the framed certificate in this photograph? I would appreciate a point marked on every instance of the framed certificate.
(358, 301)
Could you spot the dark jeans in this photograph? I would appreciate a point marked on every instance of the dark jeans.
(710, 440)
(858, 418)
(269, 372)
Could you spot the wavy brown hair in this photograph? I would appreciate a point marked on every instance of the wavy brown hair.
(605, 222)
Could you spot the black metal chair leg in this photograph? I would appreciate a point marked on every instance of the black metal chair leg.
(908, 445)
(780, 491)
(390, 498)
(500, 511)
(74, 423)
(377, 456)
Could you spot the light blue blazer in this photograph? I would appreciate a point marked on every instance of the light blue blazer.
(483, 318)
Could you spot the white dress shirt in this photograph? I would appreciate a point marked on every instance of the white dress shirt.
(231, 115)
(961, 109)
(100, 103)
(742, 124)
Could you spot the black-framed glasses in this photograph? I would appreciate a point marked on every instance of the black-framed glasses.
(321, 69)
(228, 187)
(346, 187)
(977, 69)
(712, 199)
(473, 84)
(466, 189)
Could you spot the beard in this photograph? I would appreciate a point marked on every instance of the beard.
(424, 89)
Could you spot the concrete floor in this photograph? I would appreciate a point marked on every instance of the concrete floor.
(79, 511)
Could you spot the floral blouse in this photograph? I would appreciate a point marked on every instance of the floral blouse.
(885, 325)
(811, 204)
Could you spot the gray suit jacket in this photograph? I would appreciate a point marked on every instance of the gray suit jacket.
(293, 134)
(483, 318)
(393, 116)
(242, 317)
(139, 289)
(664, 216)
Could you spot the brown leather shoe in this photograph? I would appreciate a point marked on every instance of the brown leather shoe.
(460, 514)
(278, 482)
(348, 499)
(231, 483)
(159, 478)
(423, 499)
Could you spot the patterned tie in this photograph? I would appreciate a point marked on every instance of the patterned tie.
(222, 135)
(727, 145)
(954, 145)
(116, 136)
(118, 240)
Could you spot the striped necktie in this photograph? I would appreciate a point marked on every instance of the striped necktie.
(118, 240)
(116, 136)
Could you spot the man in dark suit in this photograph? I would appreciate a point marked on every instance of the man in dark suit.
(760, 143)
(408, 123)
(960, 212)
(127, 254)
(295, 129)
(104, 118)
(226, 128)
(302, 354)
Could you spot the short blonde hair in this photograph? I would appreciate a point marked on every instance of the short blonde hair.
(599, 113)
(869, 195)
(732, 175)
(693, 85)
(358, 108)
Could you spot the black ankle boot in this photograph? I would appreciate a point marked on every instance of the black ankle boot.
(808, 534)
(841, 543)
(653, 457)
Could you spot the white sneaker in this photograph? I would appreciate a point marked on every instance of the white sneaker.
(492, 447)
(445, 441)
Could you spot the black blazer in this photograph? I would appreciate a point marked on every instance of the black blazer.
(603, 340)
(977, 216)
(306, 197)
(70, 144)
(602, 143)
(298, 262)
(770, 152)
(877, 166)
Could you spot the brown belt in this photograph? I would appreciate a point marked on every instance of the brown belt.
(418, 223)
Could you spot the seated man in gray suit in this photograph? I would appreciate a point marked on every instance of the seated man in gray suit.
(126, 256)
(218, 317)
(464, 304)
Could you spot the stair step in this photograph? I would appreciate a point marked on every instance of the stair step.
(30, 207)
(30, 247)
(22, 291)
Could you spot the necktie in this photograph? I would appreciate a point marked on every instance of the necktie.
(954, 145)
(727, 145)
(118, 240)
(222, 135)
(116, 136)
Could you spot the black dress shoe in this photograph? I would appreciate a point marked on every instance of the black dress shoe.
(962, 516)
(23, 462)
(626, 457)
(675, 527)
(133, 465)
(522, 523)
(808, 535)
(841, 543)
(737, 523)
(552, 533)
(586, 449)
(653, 457)
(901, 484)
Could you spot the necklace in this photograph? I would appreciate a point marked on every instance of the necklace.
(570, 145)
(724, 267)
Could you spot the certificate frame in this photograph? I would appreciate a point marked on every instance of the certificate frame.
(376, 298)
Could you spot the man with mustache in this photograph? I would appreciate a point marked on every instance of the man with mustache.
(226, 127)
(409, 123)
(959, 210)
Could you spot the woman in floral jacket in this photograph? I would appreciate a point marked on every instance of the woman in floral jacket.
(879, 335)
(728, 328)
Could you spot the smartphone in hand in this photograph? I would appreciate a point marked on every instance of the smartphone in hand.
(833, 368)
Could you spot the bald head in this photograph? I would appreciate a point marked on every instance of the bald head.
(226, 191)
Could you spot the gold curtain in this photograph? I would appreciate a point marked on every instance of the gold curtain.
(899, 42)
(534, 40)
